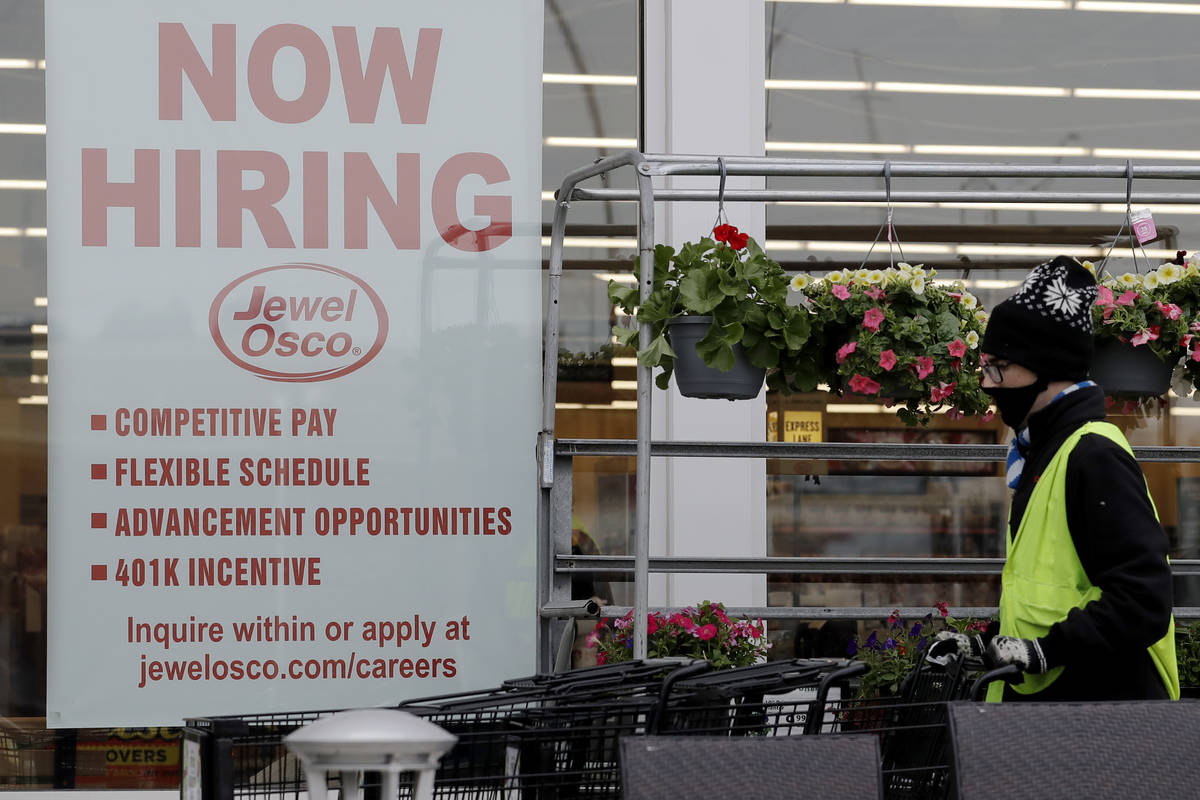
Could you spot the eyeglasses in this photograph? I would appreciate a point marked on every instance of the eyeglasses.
(994, 370)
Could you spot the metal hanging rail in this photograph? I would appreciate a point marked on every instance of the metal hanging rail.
(648, 167)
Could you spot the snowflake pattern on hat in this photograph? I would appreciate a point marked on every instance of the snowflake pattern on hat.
(1062, 290)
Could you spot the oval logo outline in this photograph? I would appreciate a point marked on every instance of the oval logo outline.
(300, 377)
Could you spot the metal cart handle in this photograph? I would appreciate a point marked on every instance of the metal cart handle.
(816, 711)
(1009, 673)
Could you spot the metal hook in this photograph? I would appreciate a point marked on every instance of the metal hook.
(720, 192)
(1128, 186)
(887, 191)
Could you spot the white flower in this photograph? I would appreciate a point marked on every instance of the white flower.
(1168, 273)
(1150, 280)
(972, 339)
(875, 276)
(969, 300)
(1129, 280)
(860, 275)
(1060, 297)
(981, 316)
(904, 266)
(799, 282)
(837, 276)
(918, 284)
(1089, 266)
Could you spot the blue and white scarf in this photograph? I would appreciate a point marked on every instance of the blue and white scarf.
(1019, 446)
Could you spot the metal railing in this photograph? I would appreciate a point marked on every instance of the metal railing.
(556, 565)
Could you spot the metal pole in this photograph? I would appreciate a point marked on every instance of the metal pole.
(645, 378)
(876, 196)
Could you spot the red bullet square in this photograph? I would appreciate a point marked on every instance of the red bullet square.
(99, 422)
(100, 520)
(99, 572)
(99, 472)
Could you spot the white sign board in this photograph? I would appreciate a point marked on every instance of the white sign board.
(294, 312)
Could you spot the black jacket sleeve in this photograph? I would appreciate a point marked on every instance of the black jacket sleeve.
(1123, 549)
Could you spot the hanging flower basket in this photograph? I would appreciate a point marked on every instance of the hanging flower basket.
(1125, 370)
(897, 335)
(697, 379)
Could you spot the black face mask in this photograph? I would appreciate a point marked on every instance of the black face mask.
(1014, 402)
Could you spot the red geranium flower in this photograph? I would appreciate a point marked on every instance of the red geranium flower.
(706, 632)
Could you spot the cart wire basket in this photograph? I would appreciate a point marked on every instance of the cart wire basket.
(536, 737)
(912, 726)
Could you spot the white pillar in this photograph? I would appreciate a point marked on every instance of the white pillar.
(703, 78)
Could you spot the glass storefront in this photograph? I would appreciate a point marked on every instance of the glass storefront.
(844, 80)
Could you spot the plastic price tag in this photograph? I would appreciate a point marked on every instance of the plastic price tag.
(1143, 225)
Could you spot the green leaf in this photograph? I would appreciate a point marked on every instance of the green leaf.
(653, 355)
(663, 380)
(715, 351)
(625, 336)
(700, 290)
(797, 331)
(763, 354)
(623, 295)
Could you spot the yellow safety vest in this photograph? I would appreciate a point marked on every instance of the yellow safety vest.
(1043, 578)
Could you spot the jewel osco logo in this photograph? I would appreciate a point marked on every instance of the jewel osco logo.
(298, 322)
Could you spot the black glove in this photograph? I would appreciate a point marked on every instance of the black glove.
(1025, 654)
(950, 643)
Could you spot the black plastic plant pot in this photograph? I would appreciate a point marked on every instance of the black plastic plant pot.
(696, 379)
(1123, 370)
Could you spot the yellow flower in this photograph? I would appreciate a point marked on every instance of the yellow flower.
(1129, 280)
(837, 276)
(874, 276)
(799, 282)
(860, 275)
(1168, 273)
(972, 339)
(981, 316)
(1089, 266)
(1150, 280)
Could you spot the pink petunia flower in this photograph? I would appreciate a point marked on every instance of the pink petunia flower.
(1127, 298)
(887, 360)
(1143, 336)
(875, 293)
(706, 632)
(1185, 341)
(924, 366)
(940, 392)
(954, 413)
(863, 385)
(845, 350)
(840, 292)
(1104, 296)
(1196, 354)
(1168, 310)
(957, 348)
(872, 319)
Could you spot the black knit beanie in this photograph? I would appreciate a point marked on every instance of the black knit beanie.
(1047, 325)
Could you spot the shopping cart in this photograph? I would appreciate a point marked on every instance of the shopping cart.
(912, 726)
(541, 736)
(771, 699)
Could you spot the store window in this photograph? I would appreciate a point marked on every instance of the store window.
(590, 97)
(1030, 83)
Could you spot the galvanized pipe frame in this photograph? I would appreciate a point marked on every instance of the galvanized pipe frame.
(649, 166)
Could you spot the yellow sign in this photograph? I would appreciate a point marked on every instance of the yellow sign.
(802, 426)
